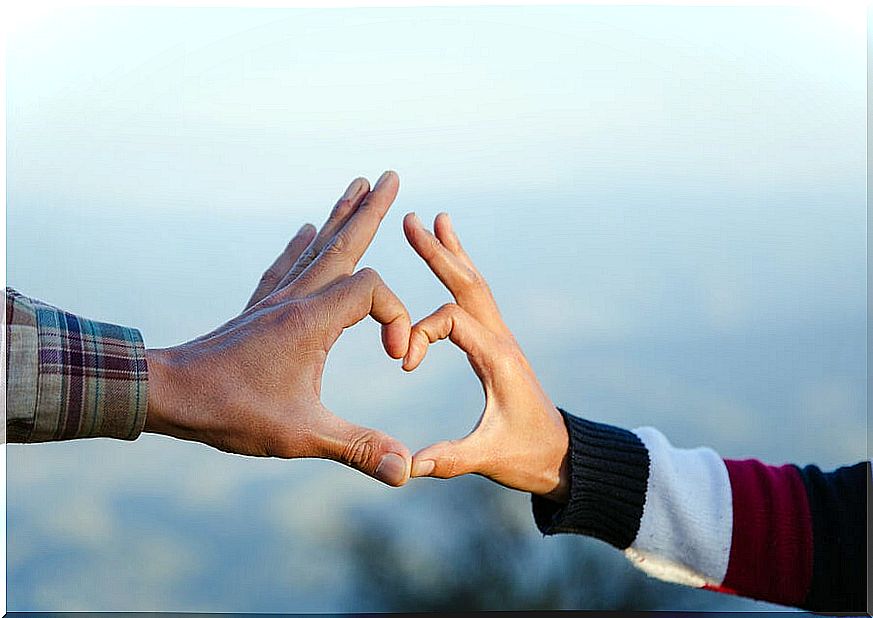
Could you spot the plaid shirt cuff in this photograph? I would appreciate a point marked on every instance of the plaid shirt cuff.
(68, 377)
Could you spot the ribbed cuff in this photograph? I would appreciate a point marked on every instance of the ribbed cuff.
(609, 470)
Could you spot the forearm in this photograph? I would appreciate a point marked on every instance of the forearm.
(68, 377)
(781, 534)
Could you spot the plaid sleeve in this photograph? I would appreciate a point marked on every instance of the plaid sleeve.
(68, 377)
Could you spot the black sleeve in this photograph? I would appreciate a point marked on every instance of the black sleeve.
(838, 506)
(609, 470)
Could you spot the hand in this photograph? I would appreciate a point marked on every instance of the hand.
(520, 440)
(253, 385)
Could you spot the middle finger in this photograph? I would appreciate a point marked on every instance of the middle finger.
(339, 215)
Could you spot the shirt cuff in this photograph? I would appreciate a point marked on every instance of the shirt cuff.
(92, 378)
(609, 469)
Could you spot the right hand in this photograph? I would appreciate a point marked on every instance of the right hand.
(253, 385)
(521, 440)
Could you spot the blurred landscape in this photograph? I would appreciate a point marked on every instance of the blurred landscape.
(668, 202)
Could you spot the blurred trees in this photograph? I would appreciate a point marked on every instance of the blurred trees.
(471, 545)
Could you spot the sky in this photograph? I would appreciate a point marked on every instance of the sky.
(668, 203)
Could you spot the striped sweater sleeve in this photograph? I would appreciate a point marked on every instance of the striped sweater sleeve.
(68, 377)
(783, 534)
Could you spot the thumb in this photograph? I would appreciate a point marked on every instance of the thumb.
(447, 459)
(371, 451)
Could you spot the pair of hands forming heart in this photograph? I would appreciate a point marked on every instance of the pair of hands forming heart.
(253, 385)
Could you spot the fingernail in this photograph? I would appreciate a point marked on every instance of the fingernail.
(416, 220)
(353, 189)
(422, 467)
(304, 228)
(391, 470)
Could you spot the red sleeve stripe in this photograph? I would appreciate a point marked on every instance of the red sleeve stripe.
(771, 543)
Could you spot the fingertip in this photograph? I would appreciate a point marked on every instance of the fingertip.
(410, 359)
(442, 227)
(421, 467)
(442, 218)
(355, 190)
(387, 177)
(411, 362)
(409, 226)
(364, 182)
(418, 345)
(416, 233)
(304, 234)
(393, 469)
(411, 221)
(395, 337)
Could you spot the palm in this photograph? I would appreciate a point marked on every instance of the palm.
(520, 440)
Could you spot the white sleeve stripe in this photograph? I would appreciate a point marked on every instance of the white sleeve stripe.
(688, 514)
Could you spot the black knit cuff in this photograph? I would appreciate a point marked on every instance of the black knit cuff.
(609, 470)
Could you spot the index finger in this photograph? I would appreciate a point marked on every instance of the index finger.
(342, 210)
(454, 268)
(364, 293)
(348, 245)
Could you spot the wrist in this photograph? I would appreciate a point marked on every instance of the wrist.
(166, 403)
(561, 492)
(558, 468)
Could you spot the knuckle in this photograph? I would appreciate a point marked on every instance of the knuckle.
(430, 247)
(269, 277)
(369, 275)
(341, 209)
(451, 464)
(360, 450)
(340, 244)
(306, 257)
(419, 331)
(472, 279)
(302, 263)
(342, 206)
(449, 309)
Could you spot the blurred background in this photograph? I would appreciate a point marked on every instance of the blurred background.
(668, 202)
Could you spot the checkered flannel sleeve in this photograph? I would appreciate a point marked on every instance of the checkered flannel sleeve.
(67, 377)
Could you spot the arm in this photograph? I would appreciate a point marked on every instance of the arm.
(252, 386)
(776, 533)
(780, 534)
